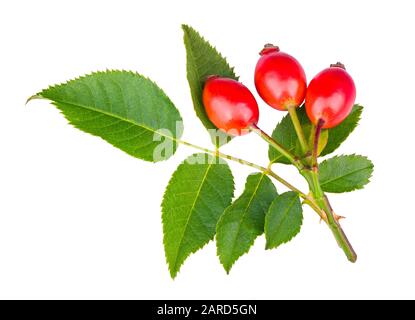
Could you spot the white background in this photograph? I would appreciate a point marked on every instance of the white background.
(81, 219)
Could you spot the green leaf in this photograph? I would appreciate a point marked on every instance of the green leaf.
(285, 134)
(243, 221)
(340, 133)
(283, 220)
(204, 60)
(345, 173)
(195, 198)
(124, 108)
(330, 139)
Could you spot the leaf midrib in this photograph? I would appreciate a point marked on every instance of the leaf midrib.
(190, 215)
(345, 175)
(245, 212)
(111, 115)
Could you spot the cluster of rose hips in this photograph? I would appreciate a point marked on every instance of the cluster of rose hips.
(281, 82)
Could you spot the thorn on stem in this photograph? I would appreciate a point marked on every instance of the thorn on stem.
(337, 217)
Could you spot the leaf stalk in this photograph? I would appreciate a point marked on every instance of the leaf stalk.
(268, 171)
(296, 162)
(319, 198)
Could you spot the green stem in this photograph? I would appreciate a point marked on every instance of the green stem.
(298, 129)
(307, 199)
(278, 147)
(333, 224)
(316, 131)
(319, 197)
(225, 156)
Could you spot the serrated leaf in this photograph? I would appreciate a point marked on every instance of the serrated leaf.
(345, 173)
(283, 220)
(195, 198)
(124, 108)
(204, 60)
(330, 139)
(285, 134)
(243, 221)
(340, 133)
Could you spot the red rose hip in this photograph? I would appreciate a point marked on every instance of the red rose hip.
(230, 105)
(280, 79)
(330, 96)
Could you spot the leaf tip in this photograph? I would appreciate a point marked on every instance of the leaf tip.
(187, 30)
(34, 97)
(173, 269)
(185, 27)
(173, 274)
(227, 269)
(226, 264)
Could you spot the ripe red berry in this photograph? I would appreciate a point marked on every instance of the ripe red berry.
(280, 79)
(330, 96)
(229, 105)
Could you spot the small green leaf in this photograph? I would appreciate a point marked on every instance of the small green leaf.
(195, 198)
(340, 133)
(283, 220)
(204, 60)
(243, 221)
(345, 173)
(124, 108)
